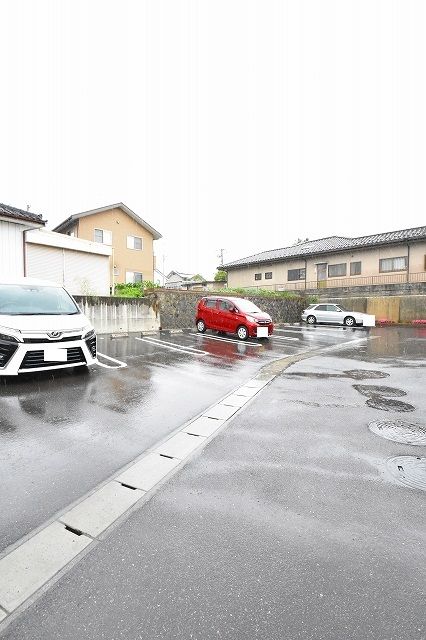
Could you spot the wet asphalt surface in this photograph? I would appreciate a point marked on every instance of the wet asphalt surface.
(292, 523)
(62, 433)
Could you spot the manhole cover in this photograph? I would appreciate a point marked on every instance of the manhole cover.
(408, 471)
(373, 390)
(399, 431)
(365, 374)
(388, 404)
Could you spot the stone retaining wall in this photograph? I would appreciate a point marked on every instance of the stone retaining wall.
(376, 290)
(168, 309)
(178, 308)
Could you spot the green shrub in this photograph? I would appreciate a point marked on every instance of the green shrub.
(268, 293)
(134, 290)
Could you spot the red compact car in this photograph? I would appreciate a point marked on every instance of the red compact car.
(233, 315)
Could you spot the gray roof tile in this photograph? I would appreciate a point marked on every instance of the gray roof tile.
(7, 211)
(327, 245)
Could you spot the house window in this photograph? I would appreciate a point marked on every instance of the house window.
(355, 268)
(134, 242)
(102, 236)
(133, 276)
(296, 274)
(258, 276)
(393, 264)
(336, 270)
(268, 275)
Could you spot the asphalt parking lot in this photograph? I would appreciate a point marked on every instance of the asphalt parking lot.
(303, 518)
(61, 433)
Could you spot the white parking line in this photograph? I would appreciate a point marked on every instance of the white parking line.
(332, 332)
(101, 364)
(172, 346)
(285, 338)
(200, 335)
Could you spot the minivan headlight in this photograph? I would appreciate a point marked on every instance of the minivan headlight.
(7, 334)
(88, 334)
(252, 319)
(6, 338)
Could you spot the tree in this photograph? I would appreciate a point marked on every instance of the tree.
(221, 276)
(198, 278)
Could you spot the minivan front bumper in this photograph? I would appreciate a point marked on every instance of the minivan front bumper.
(19, 357)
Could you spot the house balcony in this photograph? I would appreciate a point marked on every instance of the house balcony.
(354, 281)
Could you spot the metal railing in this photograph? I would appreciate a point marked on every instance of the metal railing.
(354, 281)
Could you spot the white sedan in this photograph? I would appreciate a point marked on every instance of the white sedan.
(336, 314)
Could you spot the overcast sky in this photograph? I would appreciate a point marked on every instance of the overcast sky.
(234, 124)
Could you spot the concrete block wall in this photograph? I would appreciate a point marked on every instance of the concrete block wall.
(121, 315)
(395, 308)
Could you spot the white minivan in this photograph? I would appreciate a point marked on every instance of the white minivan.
(42, 328)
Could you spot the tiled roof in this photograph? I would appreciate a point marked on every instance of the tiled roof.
(6, 211)
(64, 226)
(328, 245)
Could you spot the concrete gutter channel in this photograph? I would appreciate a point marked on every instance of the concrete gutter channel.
(33, 564)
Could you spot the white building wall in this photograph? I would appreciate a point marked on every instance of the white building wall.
(11, 249)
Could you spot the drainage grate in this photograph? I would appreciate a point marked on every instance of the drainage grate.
(365, 374)
(409, 471)
(388, 404)
(399, 431)
(374, 390)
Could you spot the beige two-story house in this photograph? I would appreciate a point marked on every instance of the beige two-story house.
(131, 239)
(392, 257)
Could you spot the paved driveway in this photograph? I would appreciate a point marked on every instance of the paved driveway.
(302, 518)
(63, 433)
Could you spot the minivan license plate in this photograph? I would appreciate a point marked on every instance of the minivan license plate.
(262, 332)
(54, 354)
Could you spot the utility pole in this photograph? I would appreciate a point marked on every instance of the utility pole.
(220, 255)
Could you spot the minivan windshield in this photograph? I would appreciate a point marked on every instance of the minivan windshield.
(30, 300)
(247, 307)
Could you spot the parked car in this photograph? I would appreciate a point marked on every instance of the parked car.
(42, 328)
(233, 315)
(336, 314)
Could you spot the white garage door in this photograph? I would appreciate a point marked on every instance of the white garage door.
(81, 273)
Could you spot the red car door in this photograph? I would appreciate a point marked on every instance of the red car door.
(226, 317)
(210, 313)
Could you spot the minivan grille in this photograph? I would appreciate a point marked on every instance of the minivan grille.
(50, 341)
(35, 359)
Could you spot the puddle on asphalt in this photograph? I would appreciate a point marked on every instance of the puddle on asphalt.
(365, 374)
(409, 471)
(399, 431)
(354, 374)
(388, 404)
(375, 390)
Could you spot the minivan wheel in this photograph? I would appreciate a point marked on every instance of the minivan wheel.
(349, 321)
(242, 332)
(311, 319)
(201, 327)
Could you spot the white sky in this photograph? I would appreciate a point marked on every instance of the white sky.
(234, 124)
